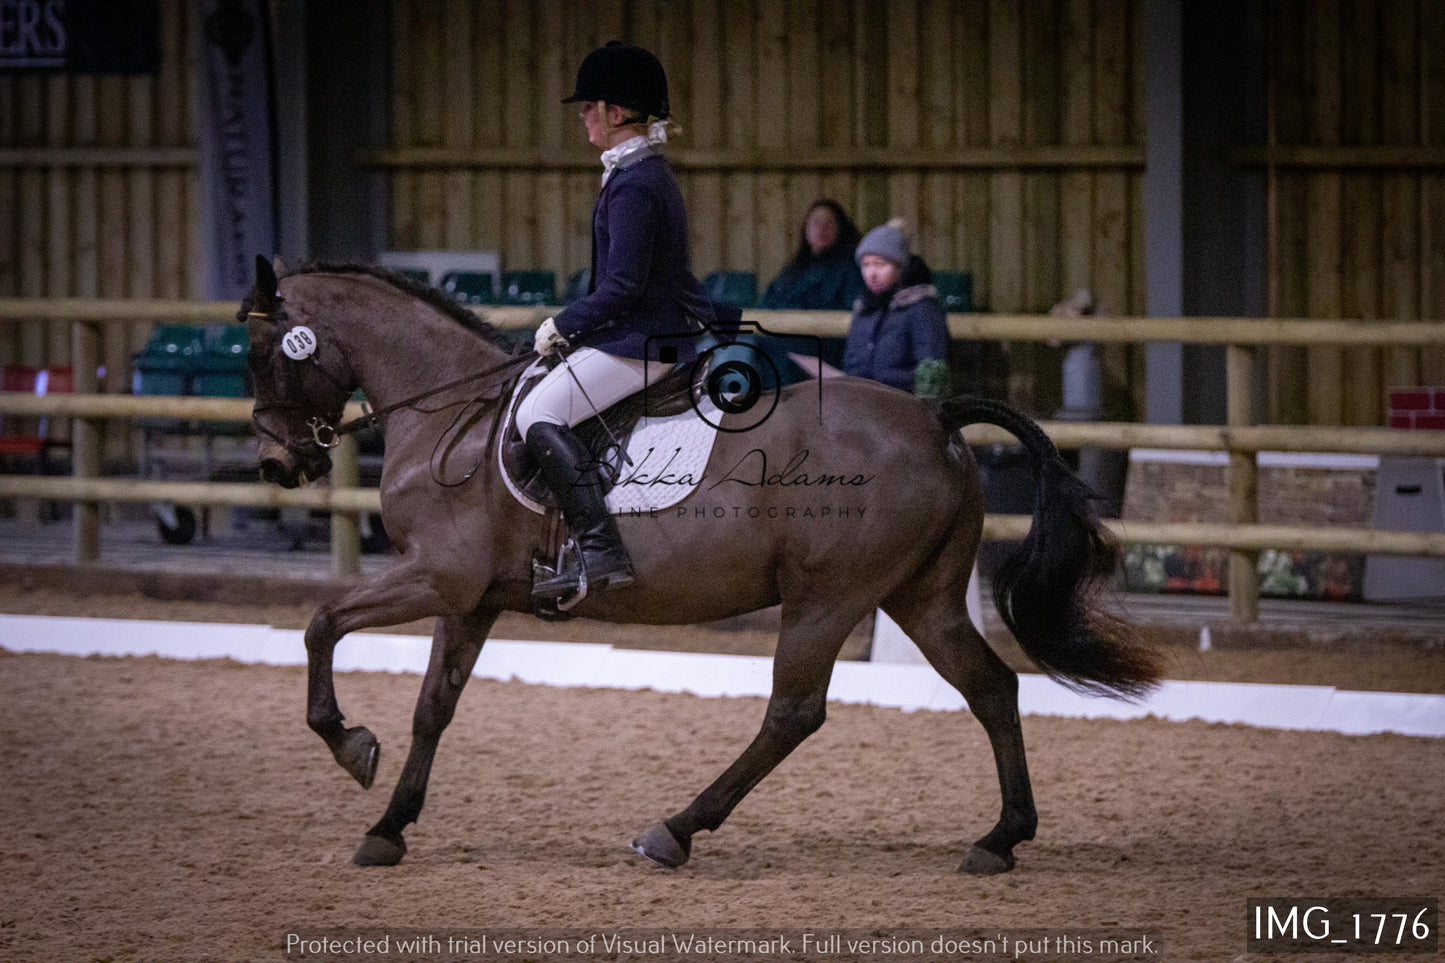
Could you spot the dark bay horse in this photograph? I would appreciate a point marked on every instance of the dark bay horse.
(465, 550)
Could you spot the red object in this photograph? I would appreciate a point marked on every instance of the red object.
(36, 381)
(1410, 399)
(1440, 399)
(1435, 422)
(1402, 421)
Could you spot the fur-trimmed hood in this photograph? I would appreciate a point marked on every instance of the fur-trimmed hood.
(902, 298)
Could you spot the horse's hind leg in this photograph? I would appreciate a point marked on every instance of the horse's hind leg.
(803, 664)
(455, 646)
(932, 611)
(402, 594)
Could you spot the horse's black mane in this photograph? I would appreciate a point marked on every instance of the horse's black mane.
(437, 299)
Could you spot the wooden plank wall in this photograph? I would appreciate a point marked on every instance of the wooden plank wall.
(91, 202)
(88, 205)
(1357, 234)
(91, 205)
(826, 78)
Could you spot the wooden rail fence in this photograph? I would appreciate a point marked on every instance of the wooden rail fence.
(1243, 535)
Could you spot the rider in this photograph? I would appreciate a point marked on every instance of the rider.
(642, 287)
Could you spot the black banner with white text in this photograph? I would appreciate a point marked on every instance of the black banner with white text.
(80, 36)
(236, 143)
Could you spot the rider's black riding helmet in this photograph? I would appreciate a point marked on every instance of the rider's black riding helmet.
(624, 75)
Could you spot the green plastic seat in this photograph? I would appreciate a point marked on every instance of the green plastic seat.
(184, 340)
(529, 287)
(470, 287)
(220, 368)
(167, 363)
(736, 288)
(955, 290)
(166, 366)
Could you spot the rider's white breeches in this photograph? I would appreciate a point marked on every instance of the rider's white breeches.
(606, 378)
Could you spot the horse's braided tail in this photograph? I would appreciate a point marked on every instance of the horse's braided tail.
(1047, 589)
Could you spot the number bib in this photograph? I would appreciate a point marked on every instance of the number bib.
(299, 343)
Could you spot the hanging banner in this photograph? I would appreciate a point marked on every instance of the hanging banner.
(237, 144)
(80, 36)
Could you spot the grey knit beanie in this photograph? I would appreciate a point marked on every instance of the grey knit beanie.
(887, 240)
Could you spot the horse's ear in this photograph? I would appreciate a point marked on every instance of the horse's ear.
(265, 278)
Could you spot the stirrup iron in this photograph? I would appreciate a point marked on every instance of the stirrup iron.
(542, 571)
(566, 604)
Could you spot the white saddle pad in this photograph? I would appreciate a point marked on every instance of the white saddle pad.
(668, 457)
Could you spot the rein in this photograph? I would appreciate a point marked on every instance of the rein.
(326, 436)
(371, 418)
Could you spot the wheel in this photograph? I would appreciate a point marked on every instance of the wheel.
(182, 531)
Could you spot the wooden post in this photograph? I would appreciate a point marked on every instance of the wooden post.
(1243, 484)
(86, 439)
(345, 526)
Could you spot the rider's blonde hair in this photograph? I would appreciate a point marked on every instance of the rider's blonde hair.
(656, 130)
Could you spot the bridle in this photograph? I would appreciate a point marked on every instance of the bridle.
(322, 433)
(327, 432)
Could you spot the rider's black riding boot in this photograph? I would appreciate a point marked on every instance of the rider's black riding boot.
(564, 461)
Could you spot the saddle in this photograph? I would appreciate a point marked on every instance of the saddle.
(673, 394)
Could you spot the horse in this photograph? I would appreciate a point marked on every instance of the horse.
(464, 544)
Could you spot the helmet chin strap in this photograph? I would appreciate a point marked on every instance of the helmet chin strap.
(605, 125)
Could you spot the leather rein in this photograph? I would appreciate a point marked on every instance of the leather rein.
(326, 433)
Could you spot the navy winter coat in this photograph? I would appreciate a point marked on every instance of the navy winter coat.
(889, 336)
(642, 282)
(829, 282)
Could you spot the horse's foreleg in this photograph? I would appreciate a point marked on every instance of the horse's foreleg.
(455, 646)
(801, 669)
(401, 595)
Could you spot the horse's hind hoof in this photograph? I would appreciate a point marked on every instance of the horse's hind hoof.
(379, 851)
(359, 754)
(658, 844)
(980, 862)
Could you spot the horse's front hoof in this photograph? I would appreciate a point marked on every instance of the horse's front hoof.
(658, 844)
(980, 862)
(358, 754)
(379, 851)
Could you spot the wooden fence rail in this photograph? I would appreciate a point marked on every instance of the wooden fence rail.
(1240, 438)
(352, 501)
(1067, 435)
(979, 327)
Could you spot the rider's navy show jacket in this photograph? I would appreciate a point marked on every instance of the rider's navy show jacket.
(642, 281)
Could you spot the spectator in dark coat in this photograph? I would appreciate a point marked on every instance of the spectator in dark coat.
(822, 276)
(898, 321)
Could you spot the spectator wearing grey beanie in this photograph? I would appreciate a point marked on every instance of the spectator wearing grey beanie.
(898, 321)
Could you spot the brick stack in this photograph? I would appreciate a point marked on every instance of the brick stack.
(1417, 408)
(1176, 491)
